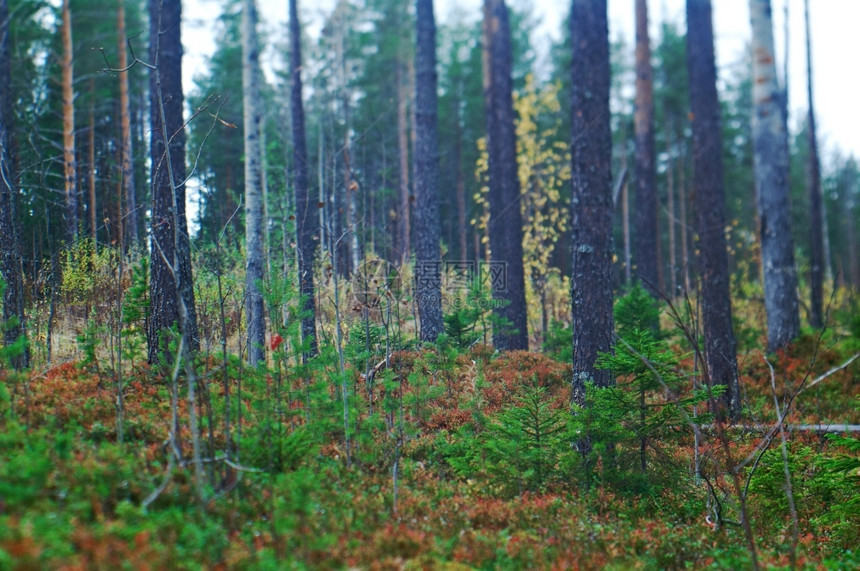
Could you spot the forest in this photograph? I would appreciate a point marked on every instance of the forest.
(383, 291)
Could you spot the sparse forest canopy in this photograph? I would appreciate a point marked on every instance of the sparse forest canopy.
(384, 284)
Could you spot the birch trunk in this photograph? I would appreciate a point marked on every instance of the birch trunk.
(770, 141)
(254, 211)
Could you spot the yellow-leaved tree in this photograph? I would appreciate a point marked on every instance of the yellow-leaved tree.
(543, 162)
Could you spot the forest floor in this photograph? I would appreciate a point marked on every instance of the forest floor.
(455, 459)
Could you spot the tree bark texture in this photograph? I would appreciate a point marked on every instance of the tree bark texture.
(128, 216)
(10, 248)
(69, 161)
(770, 142)
(254, 215)
(306, 205)
(720, 347)
(506, 227)
(646, 242)
(91, 169)
(428, 261)
(403, 214)
(170, 275)
(816, 209)
(591, 203)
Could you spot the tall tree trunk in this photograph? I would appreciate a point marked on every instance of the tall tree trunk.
(625, 219)
(682, 214)
(428, 262)
(323, 203)
(11, 269)
(647, 239)
(91, 169)
(128, 217)
(306, 205)
(254, 216)
(591, 205)
(816, 209)
(720, 347)
(403, 217)
(851, 227)
(506, 227)
(770, 140)
(171, 280)
(461, 194)
(673, 221)
(69, 162)
(350, 185)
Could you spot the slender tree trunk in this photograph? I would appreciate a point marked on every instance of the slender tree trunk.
(670, 206)
(682, 214)
(428, 261)
(403, 218)
(647, 239)
(816, 250)
(11, 269)
(69, 162)
(850, 198)
(323, 203)
(91, 168)
(306, 205)
(770, 140)
(128, 217)
(506, 227)
(625, 221)
(591, 205)
(171, 277)
(254, 215)
(720, 347)
(461, 192)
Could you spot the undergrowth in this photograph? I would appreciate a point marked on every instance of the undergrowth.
(438, 456)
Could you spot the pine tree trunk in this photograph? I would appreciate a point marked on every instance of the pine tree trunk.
(10, 248)
(171, 279)
(720, 347)
(128, 217)
(69, 162)
(647, 239)
(306, 205)
(428, 262)
(507, 278)
(816, 210)
(591, 205)
(770, 141)
(254, 216)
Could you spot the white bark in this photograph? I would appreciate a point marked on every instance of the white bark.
(254, 215)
